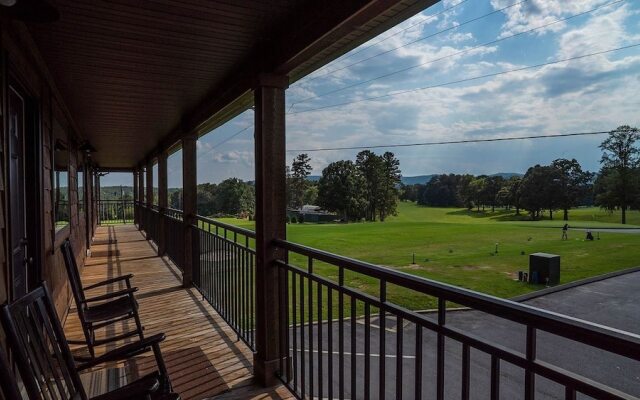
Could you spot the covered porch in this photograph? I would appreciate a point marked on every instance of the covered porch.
(204, 356)
(247, 314)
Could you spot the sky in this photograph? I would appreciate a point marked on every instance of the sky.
(442, 57)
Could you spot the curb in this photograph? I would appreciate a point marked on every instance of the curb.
(559, 288)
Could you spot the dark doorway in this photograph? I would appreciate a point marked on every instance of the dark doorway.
(24, 199)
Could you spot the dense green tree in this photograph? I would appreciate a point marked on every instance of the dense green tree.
(341, 189)
(509, 194)
(410, 192)
(491, 187)
(540, 190)
(441, 191)
(574, 184)
(391, 179)
(310, 195)
(297, 182)
(370, 167)
(617, 183)
(234, 197)
(477, 191)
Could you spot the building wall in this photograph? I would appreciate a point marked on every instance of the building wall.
(21, 54)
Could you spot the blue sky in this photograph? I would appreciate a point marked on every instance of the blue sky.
(588, 94)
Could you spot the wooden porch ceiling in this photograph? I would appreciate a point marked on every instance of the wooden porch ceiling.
(138, 75)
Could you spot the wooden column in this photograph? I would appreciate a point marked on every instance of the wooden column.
(149, 182)
(189, 205)
(98, 198)
(141, 186)
(270, 220)
(162, 201)
(135, 196)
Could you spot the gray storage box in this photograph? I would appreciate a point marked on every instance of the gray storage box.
(543, 266)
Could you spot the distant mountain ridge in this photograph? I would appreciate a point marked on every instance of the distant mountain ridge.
(424, 179)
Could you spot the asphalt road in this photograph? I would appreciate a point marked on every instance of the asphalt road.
(614, 302)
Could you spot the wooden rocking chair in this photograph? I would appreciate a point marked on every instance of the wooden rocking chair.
(8, 385)
(46, 364)
(100, 311)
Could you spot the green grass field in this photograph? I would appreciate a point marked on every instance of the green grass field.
(457, 247)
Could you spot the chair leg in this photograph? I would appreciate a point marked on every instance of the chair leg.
(136, 317)
(165, 384)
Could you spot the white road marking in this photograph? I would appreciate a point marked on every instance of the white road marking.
(357, 354)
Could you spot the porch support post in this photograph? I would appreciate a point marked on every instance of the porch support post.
(162, 201)
(135, 196)
(269, 101)
(98, 198)
(140, 187)
(148, 196)
(189, 207)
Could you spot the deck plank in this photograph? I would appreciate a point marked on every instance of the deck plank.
(203, 355)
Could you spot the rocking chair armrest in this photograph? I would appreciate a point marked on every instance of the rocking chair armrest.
(107, 296)
(110, 281)
(124, 352)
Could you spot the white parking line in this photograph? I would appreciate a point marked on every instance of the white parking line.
(357, 354)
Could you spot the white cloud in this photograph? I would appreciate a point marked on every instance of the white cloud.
(534, 13)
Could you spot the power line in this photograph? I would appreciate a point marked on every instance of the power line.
(429, 18)
(416, 40)
(499, 139)
(218, 144)
(392, 94)
(340, 89)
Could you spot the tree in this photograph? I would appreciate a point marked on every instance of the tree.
(477, 192)
(492, 185)
(539, 190)
(341, 189)
(391, 178)
(509, 194)
(617, 183)
(574, 183)
(370, 167)
(310, 195)
(441, 191)
(234, 197)
(297, 182)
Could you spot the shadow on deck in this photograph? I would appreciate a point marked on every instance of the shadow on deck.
(203, 356)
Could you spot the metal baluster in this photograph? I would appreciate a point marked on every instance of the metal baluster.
(418, 367)
(495, 378)
(383, 338)
(341, 334)
(399, 356)
(367, 351)
(442, 309)
(466, 371)
(530, 377)
(310, 304)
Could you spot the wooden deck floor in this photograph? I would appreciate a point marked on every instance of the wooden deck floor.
(202, 353)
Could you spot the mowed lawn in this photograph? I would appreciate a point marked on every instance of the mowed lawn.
(458, 247)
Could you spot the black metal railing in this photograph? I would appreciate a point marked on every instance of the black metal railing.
(346, 331)
(115, 212)
(344, 342)
(174, 235)
(224, 273)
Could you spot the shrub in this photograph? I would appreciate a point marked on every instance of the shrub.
(294, 220)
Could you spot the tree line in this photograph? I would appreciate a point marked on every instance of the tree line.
(561, 185)
(367, 188)
(231, 197)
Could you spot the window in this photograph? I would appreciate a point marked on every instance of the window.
(61, 184)
(80, 187)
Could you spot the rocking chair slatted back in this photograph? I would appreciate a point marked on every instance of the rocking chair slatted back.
(41, 350)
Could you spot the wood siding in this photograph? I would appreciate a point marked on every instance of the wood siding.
(25, 63)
